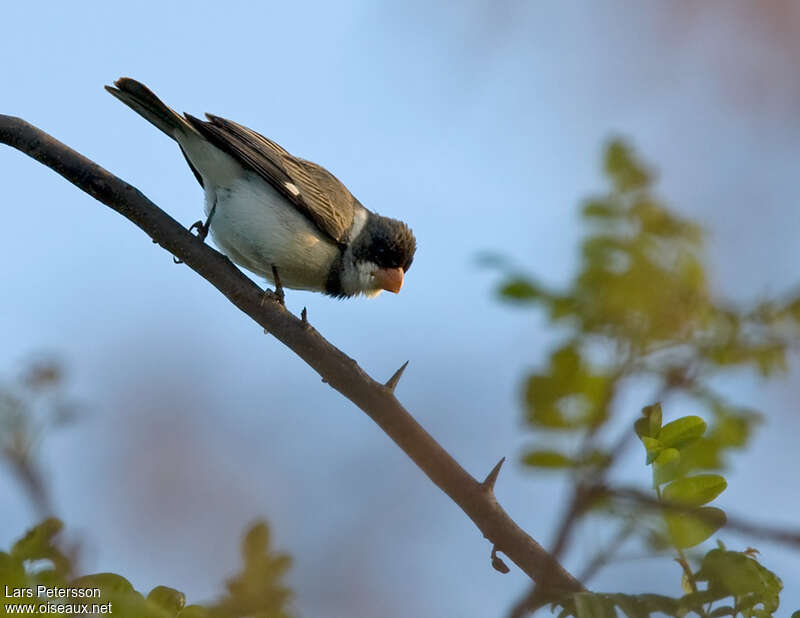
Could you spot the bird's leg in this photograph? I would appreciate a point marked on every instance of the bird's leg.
(278, 286)
(202, 228)
(278, 293)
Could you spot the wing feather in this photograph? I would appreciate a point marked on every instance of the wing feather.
(313, 190)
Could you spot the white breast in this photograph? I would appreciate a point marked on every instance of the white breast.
(256, 228)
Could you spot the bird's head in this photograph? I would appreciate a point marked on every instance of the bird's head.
(378, 257)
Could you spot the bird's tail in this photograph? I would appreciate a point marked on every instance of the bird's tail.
(141, 99)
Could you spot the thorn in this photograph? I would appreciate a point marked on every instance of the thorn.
(391, 383)
(491, 478)
(177, 260)
(497, 561)
(304, 316)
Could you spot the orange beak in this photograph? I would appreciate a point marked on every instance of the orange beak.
(389, 279)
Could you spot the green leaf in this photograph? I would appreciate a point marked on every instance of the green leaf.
(653, 414)
(520, 290)
(658, 603)
(194, 611)
(738, 574)
(624, 170)
(38, 544)
(257, 590)
(690, 529)
(168, 599)
(547, 459)
(631, 606)
(642, 427)
(602, 605)
(590, 605)
(568, 394)
(653, 447)
(602, 209)
(666, 466)
(682, 431)
(108, 582)
(695, 490)
(12, 571)
(694, 601)
(649, 424)
(38, 541)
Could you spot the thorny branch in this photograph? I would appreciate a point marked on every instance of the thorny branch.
(341, 372)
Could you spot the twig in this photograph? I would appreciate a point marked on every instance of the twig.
(607, 554)
(32, 480)
(778, 535)
(336, 368)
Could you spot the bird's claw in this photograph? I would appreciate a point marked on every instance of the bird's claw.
(202, 232)
(276, 295)
(202, 229)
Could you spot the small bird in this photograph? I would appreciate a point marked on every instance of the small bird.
(284, 218)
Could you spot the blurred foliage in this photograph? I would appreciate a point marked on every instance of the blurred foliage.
(640, 311)
(640, 306)
(34, 403)
(36, 560)
(29, 406)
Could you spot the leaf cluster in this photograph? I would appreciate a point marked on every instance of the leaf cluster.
(726, 583)
(736, 582)
(256, 591)
(640, 307)
(640, 311)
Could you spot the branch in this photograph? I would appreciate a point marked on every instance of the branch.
(786, 536)
(32, 480)
(336, 368)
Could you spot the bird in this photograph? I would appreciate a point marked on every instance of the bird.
(281, 217)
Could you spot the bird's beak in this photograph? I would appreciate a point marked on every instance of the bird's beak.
(389, 279)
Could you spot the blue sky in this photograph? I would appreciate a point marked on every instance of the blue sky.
(481, 126)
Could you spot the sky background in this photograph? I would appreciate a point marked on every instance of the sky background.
(480, 124)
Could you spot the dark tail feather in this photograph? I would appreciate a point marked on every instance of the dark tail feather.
(141, 99)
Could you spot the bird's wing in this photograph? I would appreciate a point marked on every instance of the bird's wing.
(313, 190)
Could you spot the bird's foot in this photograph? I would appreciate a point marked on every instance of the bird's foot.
(268, 295)
(202, 232)
(277, 295)
(202, 229)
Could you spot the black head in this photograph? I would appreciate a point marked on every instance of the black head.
(375, 260)
(389, 243)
